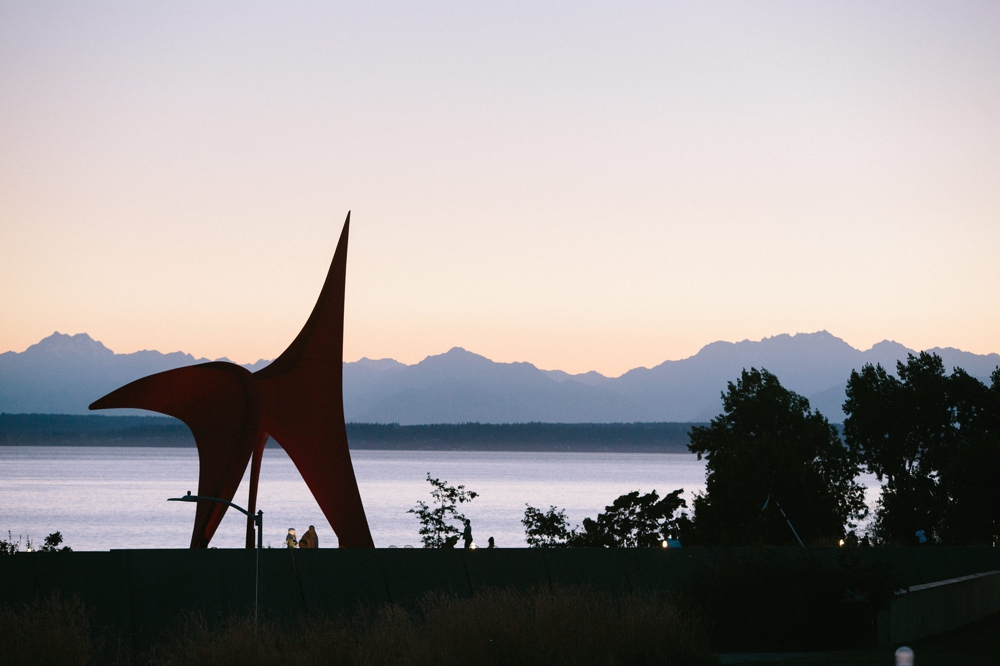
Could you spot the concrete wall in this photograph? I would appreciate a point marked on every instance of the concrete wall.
(140, 591)
(933, 608)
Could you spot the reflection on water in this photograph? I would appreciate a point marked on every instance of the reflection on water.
(103, 498)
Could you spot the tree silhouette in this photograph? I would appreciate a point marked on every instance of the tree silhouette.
(545, 529)
(631, 521)
(934, 440)
(768, 445)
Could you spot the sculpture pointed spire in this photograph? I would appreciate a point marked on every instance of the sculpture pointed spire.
(297, 399)
(302, 407)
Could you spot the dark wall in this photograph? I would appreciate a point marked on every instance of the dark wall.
(139, 591)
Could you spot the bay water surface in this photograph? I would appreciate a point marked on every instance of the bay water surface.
(103, 498)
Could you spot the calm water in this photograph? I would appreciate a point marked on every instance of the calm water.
(103, 498)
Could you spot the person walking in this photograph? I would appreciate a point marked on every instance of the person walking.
(309, 539)
(467, 534)
(290, 540)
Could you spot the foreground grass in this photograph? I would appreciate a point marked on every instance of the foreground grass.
(50, 632)
(570, 626)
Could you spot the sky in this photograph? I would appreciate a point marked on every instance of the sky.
(581, 185)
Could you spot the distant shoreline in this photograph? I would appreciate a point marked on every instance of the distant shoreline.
(159, 431)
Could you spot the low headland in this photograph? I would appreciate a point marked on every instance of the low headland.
(100, 430)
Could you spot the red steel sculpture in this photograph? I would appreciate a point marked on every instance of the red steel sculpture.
(297, 399)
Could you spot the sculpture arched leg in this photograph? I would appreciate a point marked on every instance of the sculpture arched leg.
(220, 403)
(258, 454)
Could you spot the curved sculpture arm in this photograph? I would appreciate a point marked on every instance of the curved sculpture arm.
(220, 403)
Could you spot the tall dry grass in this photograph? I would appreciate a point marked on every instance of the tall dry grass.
(48, 632)
(568, 626)
(571, 626)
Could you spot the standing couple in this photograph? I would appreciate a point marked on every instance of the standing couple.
(308, 540)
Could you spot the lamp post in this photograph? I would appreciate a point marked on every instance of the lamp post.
(258, 521)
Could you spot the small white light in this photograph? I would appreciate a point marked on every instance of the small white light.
(473, 546)
(663, 544)
(841, 542)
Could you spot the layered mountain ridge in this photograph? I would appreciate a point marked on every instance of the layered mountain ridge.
(65, 373)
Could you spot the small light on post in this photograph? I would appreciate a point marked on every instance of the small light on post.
(664, 544)
(473, 546)
(841, 543)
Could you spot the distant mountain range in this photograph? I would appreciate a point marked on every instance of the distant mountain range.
(62, 374)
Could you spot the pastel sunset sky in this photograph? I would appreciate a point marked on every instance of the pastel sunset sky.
(581, 185)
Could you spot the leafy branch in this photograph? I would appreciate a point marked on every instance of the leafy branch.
(436, 530)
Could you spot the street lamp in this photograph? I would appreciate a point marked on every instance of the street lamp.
(258, 521)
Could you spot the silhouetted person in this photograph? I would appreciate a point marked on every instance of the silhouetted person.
(450, 541)
(492, 545)
(309, 539)
(467, 534)
(290, 539)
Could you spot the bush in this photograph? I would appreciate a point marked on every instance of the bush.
(435, 530)
(631, 521)
(9, 546)
(50, 545)
(546, 529)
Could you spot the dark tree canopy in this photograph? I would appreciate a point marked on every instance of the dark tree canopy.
(769, 444)
(631, 521)
(546, 529)
(934, 440)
